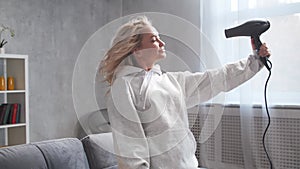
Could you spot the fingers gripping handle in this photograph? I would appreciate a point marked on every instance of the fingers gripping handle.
(257, 44)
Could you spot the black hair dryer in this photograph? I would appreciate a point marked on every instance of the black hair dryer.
(253, 29)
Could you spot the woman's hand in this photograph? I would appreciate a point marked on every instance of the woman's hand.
(263, 51)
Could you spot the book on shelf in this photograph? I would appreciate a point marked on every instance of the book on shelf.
(19, 114)
(7, 113)
(10, 113)
(2, 114)
(13, 112)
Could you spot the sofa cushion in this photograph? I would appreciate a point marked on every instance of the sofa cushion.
(22, 157)
(67, 153)
(99, 151)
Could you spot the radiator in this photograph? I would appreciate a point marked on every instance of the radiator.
(224, 148)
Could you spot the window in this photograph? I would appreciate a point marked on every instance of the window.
(282, 38)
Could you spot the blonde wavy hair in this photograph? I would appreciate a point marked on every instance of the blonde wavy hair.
(127, 38)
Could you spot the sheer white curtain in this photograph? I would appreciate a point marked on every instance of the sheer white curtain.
(283, 40)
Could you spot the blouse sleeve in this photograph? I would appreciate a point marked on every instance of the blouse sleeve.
(202, 86)
(130, 142)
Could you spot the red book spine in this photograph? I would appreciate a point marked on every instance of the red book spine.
(14, 115)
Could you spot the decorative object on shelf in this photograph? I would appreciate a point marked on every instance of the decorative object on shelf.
(10, 83)
(2, 83)
(2, 50)
(4, 28)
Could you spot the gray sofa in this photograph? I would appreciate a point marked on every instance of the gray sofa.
(91, 152)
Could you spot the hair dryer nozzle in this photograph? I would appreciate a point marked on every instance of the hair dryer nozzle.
(251, 28)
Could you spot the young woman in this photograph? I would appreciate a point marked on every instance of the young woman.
(148, 109)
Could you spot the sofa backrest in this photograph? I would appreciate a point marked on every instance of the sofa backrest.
(92, 152)
(99, 151)
(66, 153)
(22, 156)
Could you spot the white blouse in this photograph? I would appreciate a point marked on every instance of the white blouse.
(148, 111)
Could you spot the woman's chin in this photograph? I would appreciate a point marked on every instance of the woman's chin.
(163, 55)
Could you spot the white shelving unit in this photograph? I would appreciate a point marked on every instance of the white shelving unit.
(16, 66)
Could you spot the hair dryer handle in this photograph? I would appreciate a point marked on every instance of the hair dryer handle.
(258, 44)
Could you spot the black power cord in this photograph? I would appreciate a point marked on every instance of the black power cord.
(269, 118)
